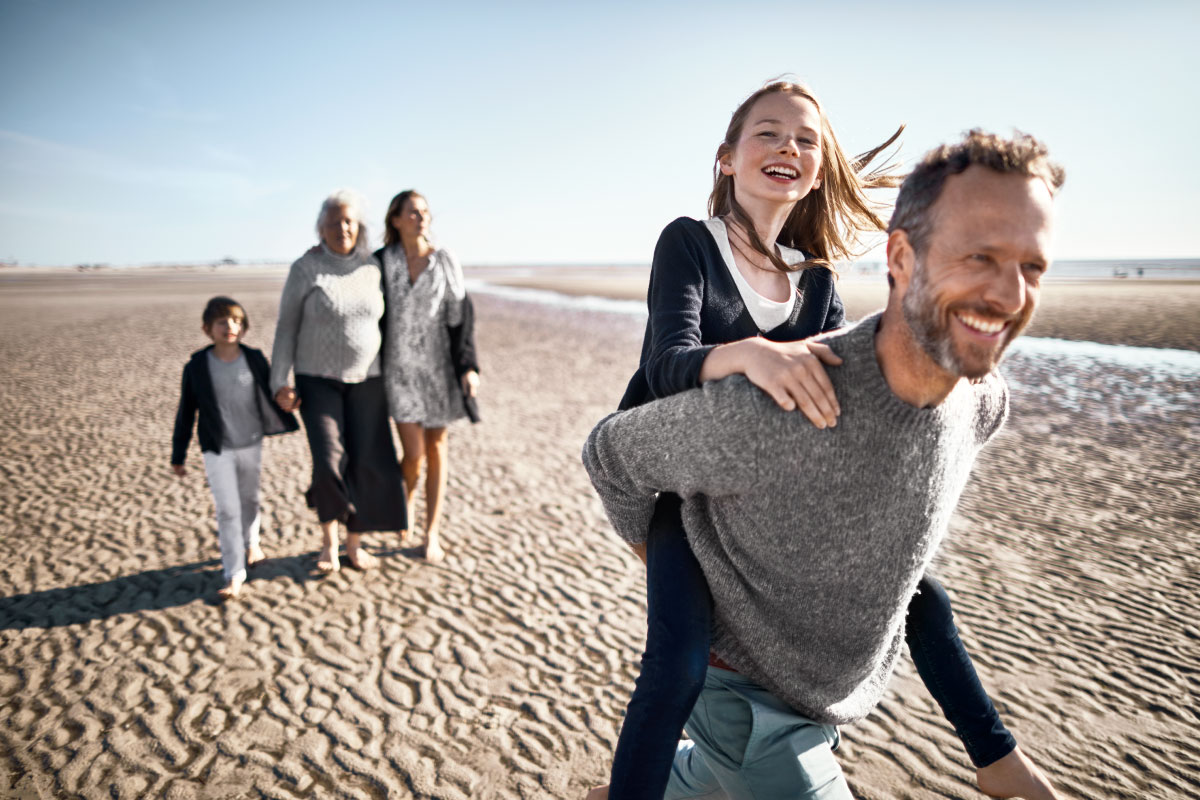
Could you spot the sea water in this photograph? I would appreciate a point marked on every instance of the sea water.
(1106, 382)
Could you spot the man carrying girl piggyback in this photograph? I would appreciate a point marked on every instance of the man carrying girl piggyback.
(228, 385)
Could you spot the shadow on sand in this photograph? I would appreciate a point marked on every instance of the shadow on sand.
(154, 590)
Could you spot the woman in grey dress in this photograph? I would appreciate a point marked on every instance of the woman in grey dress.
(425, 297)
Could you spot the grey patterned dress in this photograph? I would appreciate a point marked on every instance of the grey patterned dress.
(417, 371)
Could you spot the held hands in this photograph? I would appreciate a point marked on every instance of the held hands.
(792, 373)
(287, 399)
(470, 383)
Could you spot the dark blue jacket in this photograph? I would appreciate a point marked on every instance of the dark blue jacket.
(197, 396)
(695, 306)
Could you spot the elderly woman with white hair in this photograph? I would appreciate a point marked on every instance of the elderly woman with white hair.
(328, 333)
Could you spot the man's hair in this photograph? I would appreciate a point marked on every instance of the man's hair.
(1020, 155)
(221, 307)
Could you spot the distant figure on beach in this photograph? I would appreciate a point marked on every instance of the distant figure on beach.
(430, 370)
(328, 334)
(732, 295)
(228, 385)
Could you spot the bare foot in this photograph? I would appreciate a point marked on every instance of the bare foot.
(231, 590)
(1015, 776)
(327, 560)
(255, 556)
(406, 538)
(599, 793)
(434, 553)
(361, 558)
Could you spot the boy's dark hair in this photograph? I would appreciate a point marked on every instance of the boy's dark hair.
(221, 307)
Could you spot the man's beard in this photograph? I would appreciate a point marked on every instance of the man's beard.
(930, 326)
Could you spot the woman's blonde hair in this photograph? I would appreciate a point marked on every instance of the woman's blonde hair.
(829, 222)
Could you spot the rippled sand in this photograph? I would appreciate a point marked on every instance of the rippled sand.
(503, 673)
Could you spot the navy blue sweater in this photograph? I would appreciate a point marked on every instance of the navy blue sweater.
(695, 306)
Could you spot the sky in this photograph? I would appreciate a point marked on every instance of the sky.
(550, 132)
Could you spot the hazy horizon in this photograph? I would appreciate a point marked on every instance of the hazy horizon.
(136, 132)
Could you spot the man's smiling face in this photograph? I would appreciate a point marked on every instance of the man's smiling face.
(976, 285)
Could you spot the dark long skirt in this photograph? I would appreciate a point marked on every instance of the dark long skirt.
(356, 478)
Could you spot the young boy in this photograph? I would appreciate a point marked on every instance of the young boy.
(229, 384)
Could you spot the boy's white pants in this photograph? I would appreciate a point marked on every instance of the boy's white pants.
(233, 478)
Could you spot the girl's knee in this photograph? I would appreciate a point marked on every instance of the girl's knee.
(692, 673)
(677, 674)
(930, 620)
(932, 602)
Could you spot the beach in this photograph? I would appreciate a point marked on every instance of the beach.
(1161, 312)
(1073, 563)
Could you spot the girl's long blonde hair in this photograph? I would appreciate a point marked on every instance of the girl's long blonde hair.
(828, 223)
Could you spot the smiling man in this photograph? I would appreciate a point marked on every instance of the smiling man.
(813, 541)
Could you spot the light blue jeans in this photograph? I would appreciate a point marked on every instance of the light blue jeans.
(748, 745)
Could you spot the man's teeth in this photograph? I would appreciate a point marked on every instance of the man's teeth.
(782, 172)
(981, 325)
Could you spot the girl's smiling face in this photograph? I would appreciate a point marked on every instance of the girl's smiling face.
(777, 158)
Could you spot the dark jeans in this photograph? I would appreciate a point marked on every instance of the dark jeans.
(944, 666)
(356, 478)
(679, 607)
(679, 610)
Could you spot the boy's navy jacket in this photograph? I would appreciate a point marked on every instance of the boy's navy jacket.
(197, 395)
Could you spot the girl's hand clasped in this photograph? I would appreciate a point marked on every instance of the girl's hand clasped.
(793, 374)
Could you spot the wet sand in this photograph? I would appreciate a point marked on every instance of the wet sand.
(1145, 313)
(503, 673)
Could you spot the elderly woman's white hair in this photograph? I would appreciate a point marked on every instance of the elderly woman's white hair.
(352, 202)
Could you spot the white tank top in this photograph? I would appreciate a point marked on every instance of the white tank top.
(767, 314)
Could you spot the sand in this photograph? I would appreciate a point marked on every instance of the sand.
(503, 672)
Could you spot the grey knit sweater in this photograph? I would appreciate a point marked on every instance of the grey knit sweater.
(329, 316)
(812, 541)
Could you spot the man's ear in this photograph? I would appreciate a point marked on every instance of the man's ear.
(901, 260)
